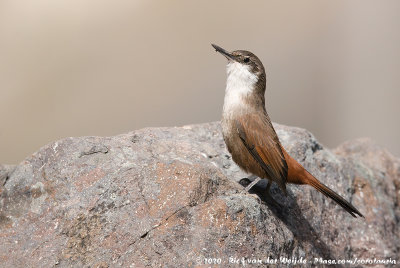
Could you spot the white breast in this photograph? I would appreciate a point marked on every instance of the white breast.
(240, 82)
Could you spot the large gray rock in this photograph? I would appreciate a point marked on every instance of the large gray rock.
(169, 197)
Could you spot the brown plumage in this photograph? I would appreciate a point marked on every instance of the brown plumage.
(248, 132)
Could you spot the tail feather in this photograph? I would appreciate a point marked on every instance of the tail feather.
(337, 198)
(299, 175)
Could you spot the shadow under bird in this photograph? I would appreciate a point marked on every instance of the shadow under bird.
(248, 132)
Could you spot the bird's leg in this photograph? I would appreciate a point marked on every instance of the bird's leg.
(247, 189)
(252, 184)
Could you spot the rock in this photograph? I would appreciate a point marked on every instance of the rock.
(169, 197)
(5, 170)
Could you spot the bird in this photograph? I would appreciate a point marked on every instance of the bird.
(249, 134)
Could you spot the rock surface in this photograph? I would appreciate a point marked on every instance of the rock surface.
(169, 197)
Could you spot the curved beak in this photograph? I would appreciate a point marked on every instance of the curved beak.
(227, 54)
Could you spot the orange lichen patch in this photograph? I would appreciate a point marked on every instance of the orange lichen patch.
(87, 180)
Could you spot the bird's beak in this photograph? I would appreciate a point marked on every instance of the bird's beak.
(227, 54)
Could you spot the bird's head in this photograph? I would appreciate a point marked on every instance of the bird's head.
(244, 69)
(242, 60)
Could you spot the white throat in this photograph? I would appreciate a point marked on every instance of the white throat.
(240, 83)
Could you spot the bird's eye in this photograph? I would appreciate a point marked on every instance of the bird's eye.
(246, 59)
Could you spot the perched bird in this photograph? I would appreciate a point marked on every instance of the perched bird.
(248, 132)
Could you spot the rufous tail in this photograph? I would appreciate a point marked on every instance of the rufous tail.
(298, 175)
(330, 193)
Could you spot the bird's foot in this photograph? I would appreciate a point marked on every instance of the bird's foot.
(248, 187)
(261, 193)
(250, 184)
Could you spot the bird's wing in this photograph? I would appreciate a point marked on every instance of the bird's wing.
(259, 137)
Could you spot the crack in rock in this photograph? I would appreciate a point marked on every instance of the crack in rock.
(98, 148)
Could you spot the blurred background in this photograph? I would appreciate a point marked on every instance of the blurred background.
(77, 68)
